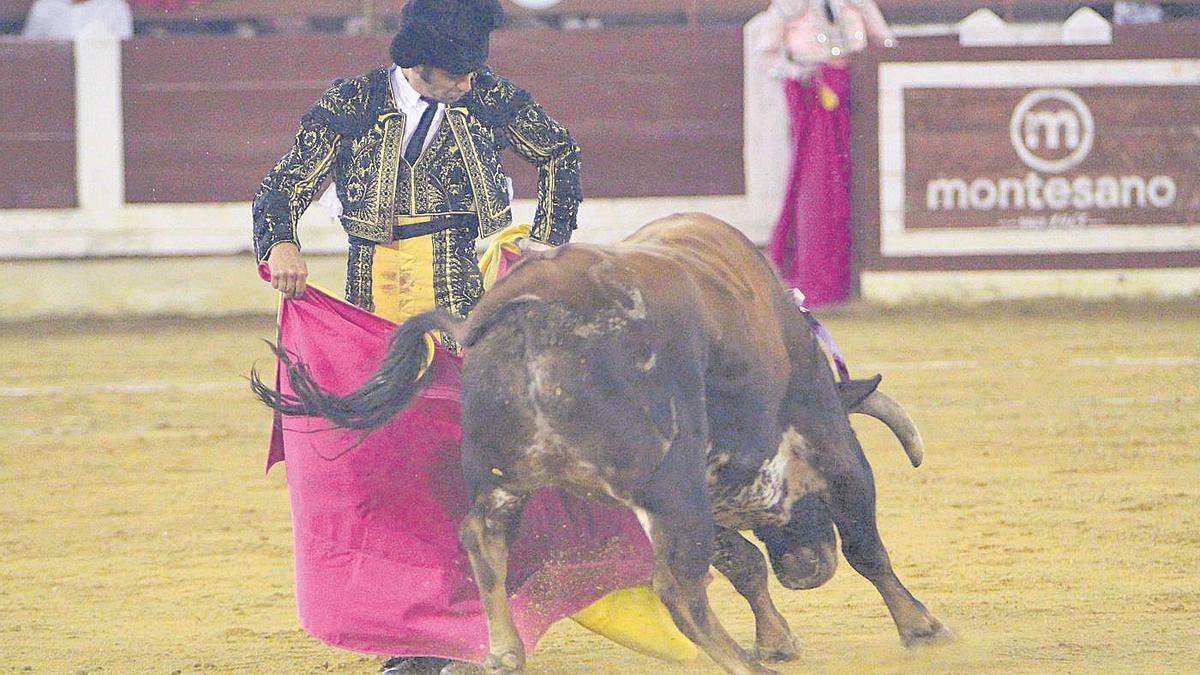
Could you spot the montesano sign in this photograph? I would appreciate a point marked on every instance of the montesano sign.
(1069, 157)
(1056, 158)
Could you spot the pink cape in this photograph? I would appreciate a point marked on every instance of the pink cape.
(378, 565)
(811, 245)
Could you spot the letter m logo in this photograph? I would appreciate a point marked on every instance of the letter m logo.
(1052, 130)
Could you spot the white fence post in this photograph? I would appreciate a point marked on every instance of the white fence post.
(766, 133)
(99, 125)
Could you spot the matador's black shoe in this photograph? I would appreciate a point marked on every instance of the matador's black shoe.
(427, 665)
(461, 668)
(414, 665)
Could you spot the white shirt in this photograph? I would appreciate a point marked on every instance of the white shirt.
(409, 102)
(65, 20)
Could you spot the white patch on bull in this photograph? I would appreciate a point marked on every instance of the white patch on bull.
(643, 517)
(637, 310)
(648, 364)
(545, 437)
(499, 502)
(603, 325)
(608, 490)
(716, 462)
(630, 308)
(802, 477)
(768, 496)
(502, 499)
(588, 330)
(668, 441)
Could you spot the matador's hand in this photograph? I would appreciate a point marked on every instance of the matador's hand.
(289, 274)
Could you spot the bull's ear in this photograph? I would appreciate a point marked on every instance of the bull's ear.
(854, 391)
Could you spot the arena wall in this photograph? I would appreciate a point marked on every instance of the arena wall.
(143, 157)
(1033, 171)
(40, 134)
(168, 166)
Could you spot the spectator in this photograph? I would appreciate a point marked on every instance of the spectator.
(1137, 12)
(809, 48)
(69, 19)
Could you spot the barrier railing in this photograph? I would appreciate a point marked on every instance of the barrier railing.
(170, 137)
(13, 12)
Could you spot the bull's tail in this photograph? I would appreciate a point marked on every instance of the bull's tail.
(399, 377)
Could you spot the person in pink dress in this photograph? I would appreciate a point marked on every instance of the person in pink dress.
(809, 47)
(69, 19)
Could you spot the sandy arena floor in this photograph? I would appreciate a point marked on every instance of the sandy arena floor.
(1055, 526)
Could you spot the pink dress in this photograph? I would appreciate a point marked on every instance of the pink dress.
(811, 244)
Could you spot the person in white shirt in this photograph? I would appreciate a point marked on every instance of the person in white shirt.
(69, 19)
(809, 46)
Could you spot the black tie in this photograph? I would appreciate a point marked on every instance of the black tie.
(413, 151)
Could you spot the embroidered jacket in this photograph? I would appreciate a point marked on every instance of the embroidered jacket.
(356, 132)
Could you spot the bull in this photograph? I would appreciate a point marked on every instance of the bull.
(672, 374)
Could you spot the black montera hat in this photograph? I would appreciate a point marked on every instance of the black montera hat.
(447, 34)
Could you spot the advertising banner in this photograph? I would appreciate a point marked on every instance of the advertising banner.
(1040, 158)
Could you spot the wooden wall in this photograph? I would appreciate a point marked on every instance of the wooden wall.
(658, 111)
(951, 146)
(37, 127)
(205, 118)
(14, 11)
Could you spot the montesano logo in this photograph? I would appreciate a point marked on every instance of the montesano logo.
(1052, 132)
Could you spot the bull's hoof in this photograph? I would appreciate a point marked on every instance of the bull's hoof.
(934, 633)
(508, 663)
(787, 650)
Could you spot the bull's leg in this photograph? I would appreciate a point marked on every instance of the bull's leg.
(852, 503)
(681, 529)
(742, 563)
(485, 535)
(804, 551)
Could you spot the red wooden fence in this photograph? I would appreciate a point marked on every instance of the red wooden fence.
(658, 111)
(37, 127)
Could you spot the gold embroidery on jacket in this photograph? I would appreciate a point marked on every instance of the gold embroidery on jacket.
(358, 275)
(391, 157)
(493, 208)
(356, 132)
(547, 145)
(290, 186)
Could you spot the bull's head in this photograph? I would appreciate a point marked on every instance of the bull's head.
(803, 551)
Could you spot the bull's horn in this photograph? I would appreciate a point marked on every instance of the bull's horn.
(880, 406)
